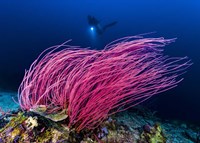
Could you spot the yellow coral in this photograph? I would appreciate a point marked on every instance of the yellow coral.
(55, 135)
(15, 133)
(154, 136)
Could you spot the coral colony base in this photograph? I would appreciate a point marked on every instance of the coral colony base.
(80, 88)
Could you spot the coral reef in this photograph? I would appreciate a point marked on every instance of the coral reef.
(125, 127)
(29, 127)
(71, 94)
(91, 85)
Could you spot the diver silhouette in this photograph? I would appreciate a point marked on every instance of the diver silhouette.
(93, 22)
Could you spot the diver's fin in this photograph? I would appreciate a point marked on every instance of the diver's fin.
(109, 25)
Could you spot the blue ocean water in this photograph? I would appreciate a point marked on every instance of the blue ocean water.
(29, 27)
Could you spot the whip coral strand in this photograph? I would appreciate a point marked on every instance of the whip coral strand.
(93, 84)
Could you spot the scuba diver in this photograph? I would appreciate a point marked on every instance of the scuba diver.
(95, 25)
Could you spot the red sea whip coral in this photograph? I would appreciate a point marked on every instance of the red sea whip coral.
(93, 84)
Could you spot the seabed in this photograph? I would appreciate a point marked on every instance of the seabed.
(137, 125)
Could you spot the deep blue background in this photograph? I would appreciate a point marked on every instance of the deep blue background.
(29, 27)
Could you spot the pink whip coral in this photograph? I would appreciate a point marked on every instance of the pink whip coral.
(93, 84)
